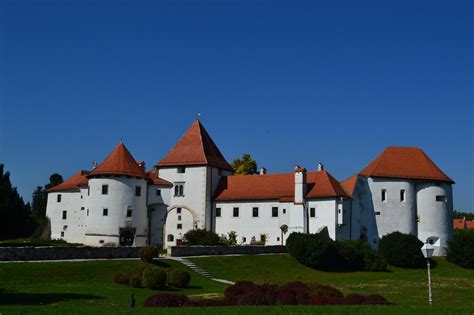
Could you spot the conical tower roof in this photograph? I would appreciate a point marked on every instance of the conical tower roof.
(119, 162)
(195, 148)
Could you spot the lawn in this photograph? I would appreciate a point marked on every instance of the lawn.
(86, 287)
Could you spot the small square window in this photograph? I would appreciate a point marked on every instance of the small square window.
(278, 239)
(105, 189)
(58, 198)
(178, 210)
(402, 195)
(138, 191)
(244, 239)
(284, 211)
(101, 242)
(377, 212)
(312, 212)
(158, 192)
(181, 170)
(179, 218)
(441, 198)
(274, 212)
(129, 213)
(82, 208)
(255, 212)
(218, 212)
(384, 195)
(180, 226)
(64, 215)
(62, 233)
(105, 212)
(236, 212)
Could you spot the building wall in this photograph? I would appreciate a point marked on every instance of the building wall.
(74, 224)
(435, 217)
(158, 207)
(325, 216)
(179, 220)
(121, 195)
(246, 226)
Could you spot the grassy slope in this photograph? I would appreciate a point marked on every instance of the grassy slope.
(86, 287)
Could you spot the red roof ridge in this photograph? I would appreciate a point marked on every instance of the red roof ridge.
(74, 182)
(349, 184)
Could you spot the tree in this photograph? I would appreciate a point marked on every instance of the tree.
(463, 215)
(13, 210)
(244, 166)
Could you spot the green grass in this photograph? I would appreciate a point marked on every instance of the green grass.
(86, 287)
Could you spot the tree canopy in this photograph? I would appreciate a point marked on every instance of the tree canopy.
(245, 165)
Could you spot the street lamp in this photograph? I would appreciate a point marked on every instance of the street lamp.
(428, 251)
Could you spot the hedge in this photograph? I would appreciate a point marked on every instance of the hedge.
(461, 249)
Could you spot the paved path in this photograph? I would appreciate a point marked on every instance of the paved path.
(198, 269)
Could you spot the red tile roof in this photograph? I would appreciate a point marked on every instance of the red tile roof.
(276, 187)
(405, 162)
(72, 183)
(349, 184)
(195, 148)
(459, 224)
(155, 180)
(470, 224)
(119, 162)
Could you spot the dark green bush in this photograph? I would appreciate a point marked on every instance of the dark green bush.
(201, 237)
(178, 278)
(121, 278)
(154, 278)
(147, 253)
(358, 255)
(461, 249)
(402, 250)
(134, 281)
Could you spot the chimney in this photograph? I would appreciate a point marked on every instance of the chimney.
(94, 165)
(141, 164)
(320, 167)
(262, 171)
(300, 184)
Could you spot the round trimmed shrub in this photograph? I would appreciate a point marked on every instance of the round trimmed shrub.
(154, 278)
(461, 249)
(166, 300)
(121, 278)
(178, 278)
(201, 237)
(134, 281)
(147, 253)
(318, 290)
(402, 250)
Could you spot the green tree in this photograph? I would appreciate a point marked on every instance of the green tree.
(461, 215)
(244, 166)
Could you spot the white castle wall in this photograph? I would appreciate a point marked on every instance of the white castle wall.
(121, 194)
(325, 211)
(157, 206)
(246, 226)
(179, 220)
(435, 217)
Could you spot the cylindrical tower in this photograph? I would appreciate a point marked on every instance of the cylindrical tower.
(434, 210)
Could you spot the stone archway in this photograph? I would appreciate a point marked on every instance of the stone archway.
(178, 220)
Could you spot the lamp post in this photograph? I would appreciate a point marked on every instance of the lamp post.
(428, 251)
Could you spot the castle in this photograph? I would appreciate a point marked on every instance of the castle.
(121, 203)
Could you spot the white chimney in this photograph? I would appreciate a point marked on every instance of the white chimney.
(320, 167)
(262, 171)
(300, 184)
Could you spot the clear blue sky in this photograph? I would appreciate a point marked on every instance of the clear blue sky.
(289, 82)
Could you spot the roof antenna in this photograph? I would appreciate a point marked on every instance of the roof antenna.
(198, 115)
(121, 140)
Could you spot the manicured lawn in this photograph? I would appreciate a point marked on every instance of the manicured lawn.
(86, 287)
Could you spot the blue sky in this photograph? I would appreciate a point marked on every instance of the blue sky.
(289, 82)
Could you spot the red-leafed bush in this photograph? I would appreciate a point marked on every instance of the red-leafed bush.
(293, 293)
(317, 289)
(286, 298)
(323, 300)
(206, 303)
(166, 300)
(375, 299)
(234, 293)
(353, 299)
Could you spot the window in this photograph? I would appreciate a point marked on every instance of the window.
(284, 211)
(312, 212)
(87, 212)
(254, 212)
(58, 198)
(64, 214)
(105, 212)
(236, 212)
(82, 208)
(441, 198)
(179, 218)
(101, 242)
(377, 212)
(181, 190)
(62, 233)
(278, 239)
(105, 189)
(181, 170)
(274, 212)
(180, 226)
(384, 195)
(402, 195)
(88, 191)
(244, 239)
(178, 189)
(138, 191)
(218, 212)
(178, 210)
(170, 238)
(158, 192)
(129, 212)
(263, 238)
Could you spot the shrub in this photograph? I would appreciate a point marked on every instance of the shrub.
(134, 281)
(375, 299)
(166, 300)
(461, 249)
(402, 250)
(147, 253)
(313, 250)
(206, 303)
(153, 278)
(201, 237)
(353, 299)
(178, 278)
(318, 290)
(293, 293)
(121, 278)
(234, 293)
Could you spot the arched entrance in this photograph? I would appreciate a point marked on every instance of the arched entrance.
(179, 220)
(127, 237)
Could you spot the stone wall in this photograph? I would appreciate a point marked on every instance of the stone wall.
(59, 253)
(180, 251)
